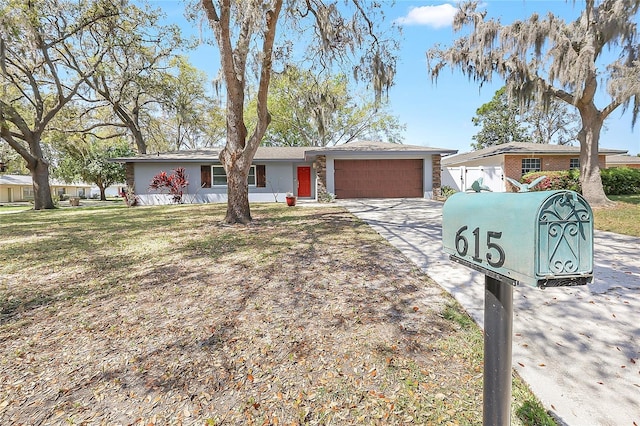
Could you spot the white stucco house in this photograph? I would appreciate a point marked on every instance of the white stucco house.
(358, 169)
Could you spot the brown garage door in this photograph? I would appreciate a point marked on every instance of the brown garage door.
(378, 178)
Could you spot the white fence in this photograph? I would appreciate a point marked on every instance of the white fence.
(461, 178)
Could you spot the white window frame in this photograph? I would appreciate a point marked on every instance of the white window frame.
(529, 167)
(213, 176)
(574, 163)
(251, 178)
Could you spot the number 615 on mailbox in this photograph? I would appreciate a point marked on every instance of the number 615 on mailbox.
(543, 239)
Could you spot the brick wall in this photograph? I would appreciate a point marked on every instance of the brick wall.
(513, 164)
(321, 173)
(631, 166)
(129, 175)
(436, 175)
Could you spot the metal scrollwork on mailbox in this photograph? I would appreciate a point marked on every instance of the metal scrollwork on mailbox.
(564, 230)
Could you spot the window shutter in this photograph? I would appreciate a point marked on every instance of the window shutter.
(261, 176)
(205, 176)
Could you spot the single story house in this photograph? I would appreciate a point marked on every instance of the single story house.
(512, 160)
(17, 188)
(622, 160)
(114, 190)
(358, 169)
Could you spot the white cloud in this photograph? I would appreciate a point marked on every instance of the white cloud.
(432, 16)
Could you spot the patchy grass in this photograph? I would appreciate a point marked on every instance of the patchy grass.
(165, 315)
(630, 199)
(14, 208)
(622, 218)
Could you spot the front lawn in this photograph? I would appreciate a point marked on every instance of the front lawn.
(13, 208)
(164, 315)
(622, 218)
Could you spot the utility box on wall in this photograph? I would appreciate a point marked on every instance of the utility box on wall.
(544, 239)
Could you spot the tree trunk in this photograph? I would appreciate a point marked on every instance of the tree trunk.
(39, 169)
(103, 195)
(238, 210)
(589, 137)
(36, 163)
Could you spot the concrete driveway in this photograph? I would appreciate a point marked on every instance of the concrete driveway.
(578, 348)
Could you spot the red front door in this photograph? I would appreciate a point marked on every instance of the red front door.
(304, 181)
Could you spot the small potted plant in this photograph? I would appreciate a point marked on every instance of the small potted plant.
(291, 199)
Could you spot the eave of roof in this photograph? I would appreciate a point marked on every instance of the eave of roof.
(264, 153)
(292, 153)
(359, 147)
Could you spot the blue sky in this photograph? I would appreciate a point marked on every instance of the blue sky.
(439, 114)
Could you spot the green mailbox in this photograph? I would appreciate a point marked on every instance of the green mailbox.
(543, 239)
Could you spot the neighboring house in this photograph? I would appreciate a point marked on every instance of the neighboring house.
(115, 190)
(630, 161)
(511, 160)
(15, 188)
(359, 169)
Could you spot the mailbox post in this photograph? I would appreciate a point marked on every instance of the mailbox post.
(543, 239)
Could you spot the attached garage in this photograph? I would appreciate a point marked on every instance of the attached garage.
(389, 178)
(374, 169)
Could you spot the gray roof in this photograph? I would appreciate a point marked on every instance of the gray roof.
(264, 153)
(622, 159)
(21, 180)
(360, 146)
(25, 180)
(286, 153)
(520, 148)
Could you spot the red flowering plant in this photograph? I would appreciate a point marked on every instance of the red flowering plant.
(175, 183)
(562, 179)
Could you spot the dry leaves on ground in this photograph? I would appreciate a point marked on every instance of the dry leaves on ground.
(166, 316)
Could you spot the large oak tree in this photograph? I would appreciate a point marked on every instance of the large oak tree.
(321, 110)
(545, 57)
(135, 79)
(246, 32)
(46, 57)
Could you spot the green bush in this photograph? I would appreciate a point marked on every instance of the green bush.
(562, 179)
(620, 180)
(326, 197)
(447, 191)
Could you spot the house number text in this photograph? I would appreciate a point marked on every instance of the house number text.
(493, 250)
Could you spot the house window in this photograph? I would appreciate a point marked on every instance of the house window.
(27, 193)
(81, 192)
(251, 179)
(530, 165)
(574, 163)
(220, 177)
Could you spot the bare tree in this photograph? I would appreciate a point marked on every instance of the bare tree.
(246, 30)
(556, 123)
(545, 58)
(42, 70)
